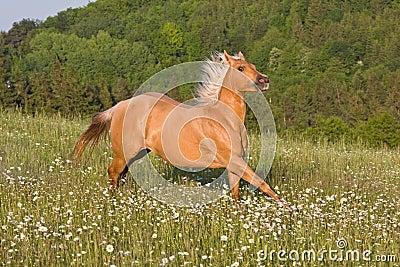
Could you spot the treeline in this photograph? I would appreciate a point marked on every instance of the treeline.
(334, 65)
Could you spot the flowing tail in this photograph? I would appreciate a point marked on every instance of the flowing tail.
(98, 128)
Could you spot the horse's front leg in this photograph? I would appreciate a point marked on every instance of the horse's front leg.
(234, 184)
(234, 179)
(240, 168)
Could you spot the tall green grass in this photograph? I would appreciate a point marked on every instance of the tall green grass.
(54, 213)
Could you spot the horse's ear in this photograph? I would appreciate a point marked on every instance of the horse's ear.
(241, 56)
(227, 56)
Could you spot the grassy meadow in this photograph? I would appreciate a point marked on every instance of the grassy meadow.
(54, 213)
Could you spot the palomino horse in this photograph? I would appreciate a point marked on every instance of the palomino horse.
(153, 122)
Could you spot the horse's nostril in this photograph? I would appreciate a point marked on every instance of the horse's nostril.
(263, 80)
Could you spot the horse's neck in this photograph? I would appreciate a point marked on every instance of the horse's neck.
(234, 100)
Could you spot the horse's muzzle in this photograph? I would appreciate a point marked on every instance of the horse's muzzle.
(262, 83)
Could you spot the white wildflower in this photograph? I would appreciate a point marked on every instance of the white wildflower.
(42, 229)
(109, 248)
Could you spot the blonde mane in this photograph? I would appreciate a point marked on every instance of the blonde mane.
(214, 70)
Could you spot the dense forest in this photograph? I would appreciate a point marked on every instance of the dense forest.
(334, 65)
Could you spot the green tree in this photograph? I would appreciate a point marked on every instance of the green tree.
(170, 44)
(333, 129)
(375, 91)
(392, 103)
(20, 30)
(104, 94)
(15, 94)
(380, 129)
(66, 90)
(39, 95)
(120, 91)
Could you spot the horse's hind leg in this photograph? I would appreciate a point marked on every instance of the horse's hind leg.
(122, 177)
(139, 155)
(119, 167)
(115, 171)
(234, 183)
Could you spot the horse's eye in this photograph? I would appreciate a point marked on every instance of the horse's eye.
(241, 68)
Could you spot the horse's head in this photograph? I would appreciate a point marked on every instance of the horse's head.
(259, 81)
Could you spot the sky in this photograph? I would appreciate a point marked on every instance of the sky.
(15, 10)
